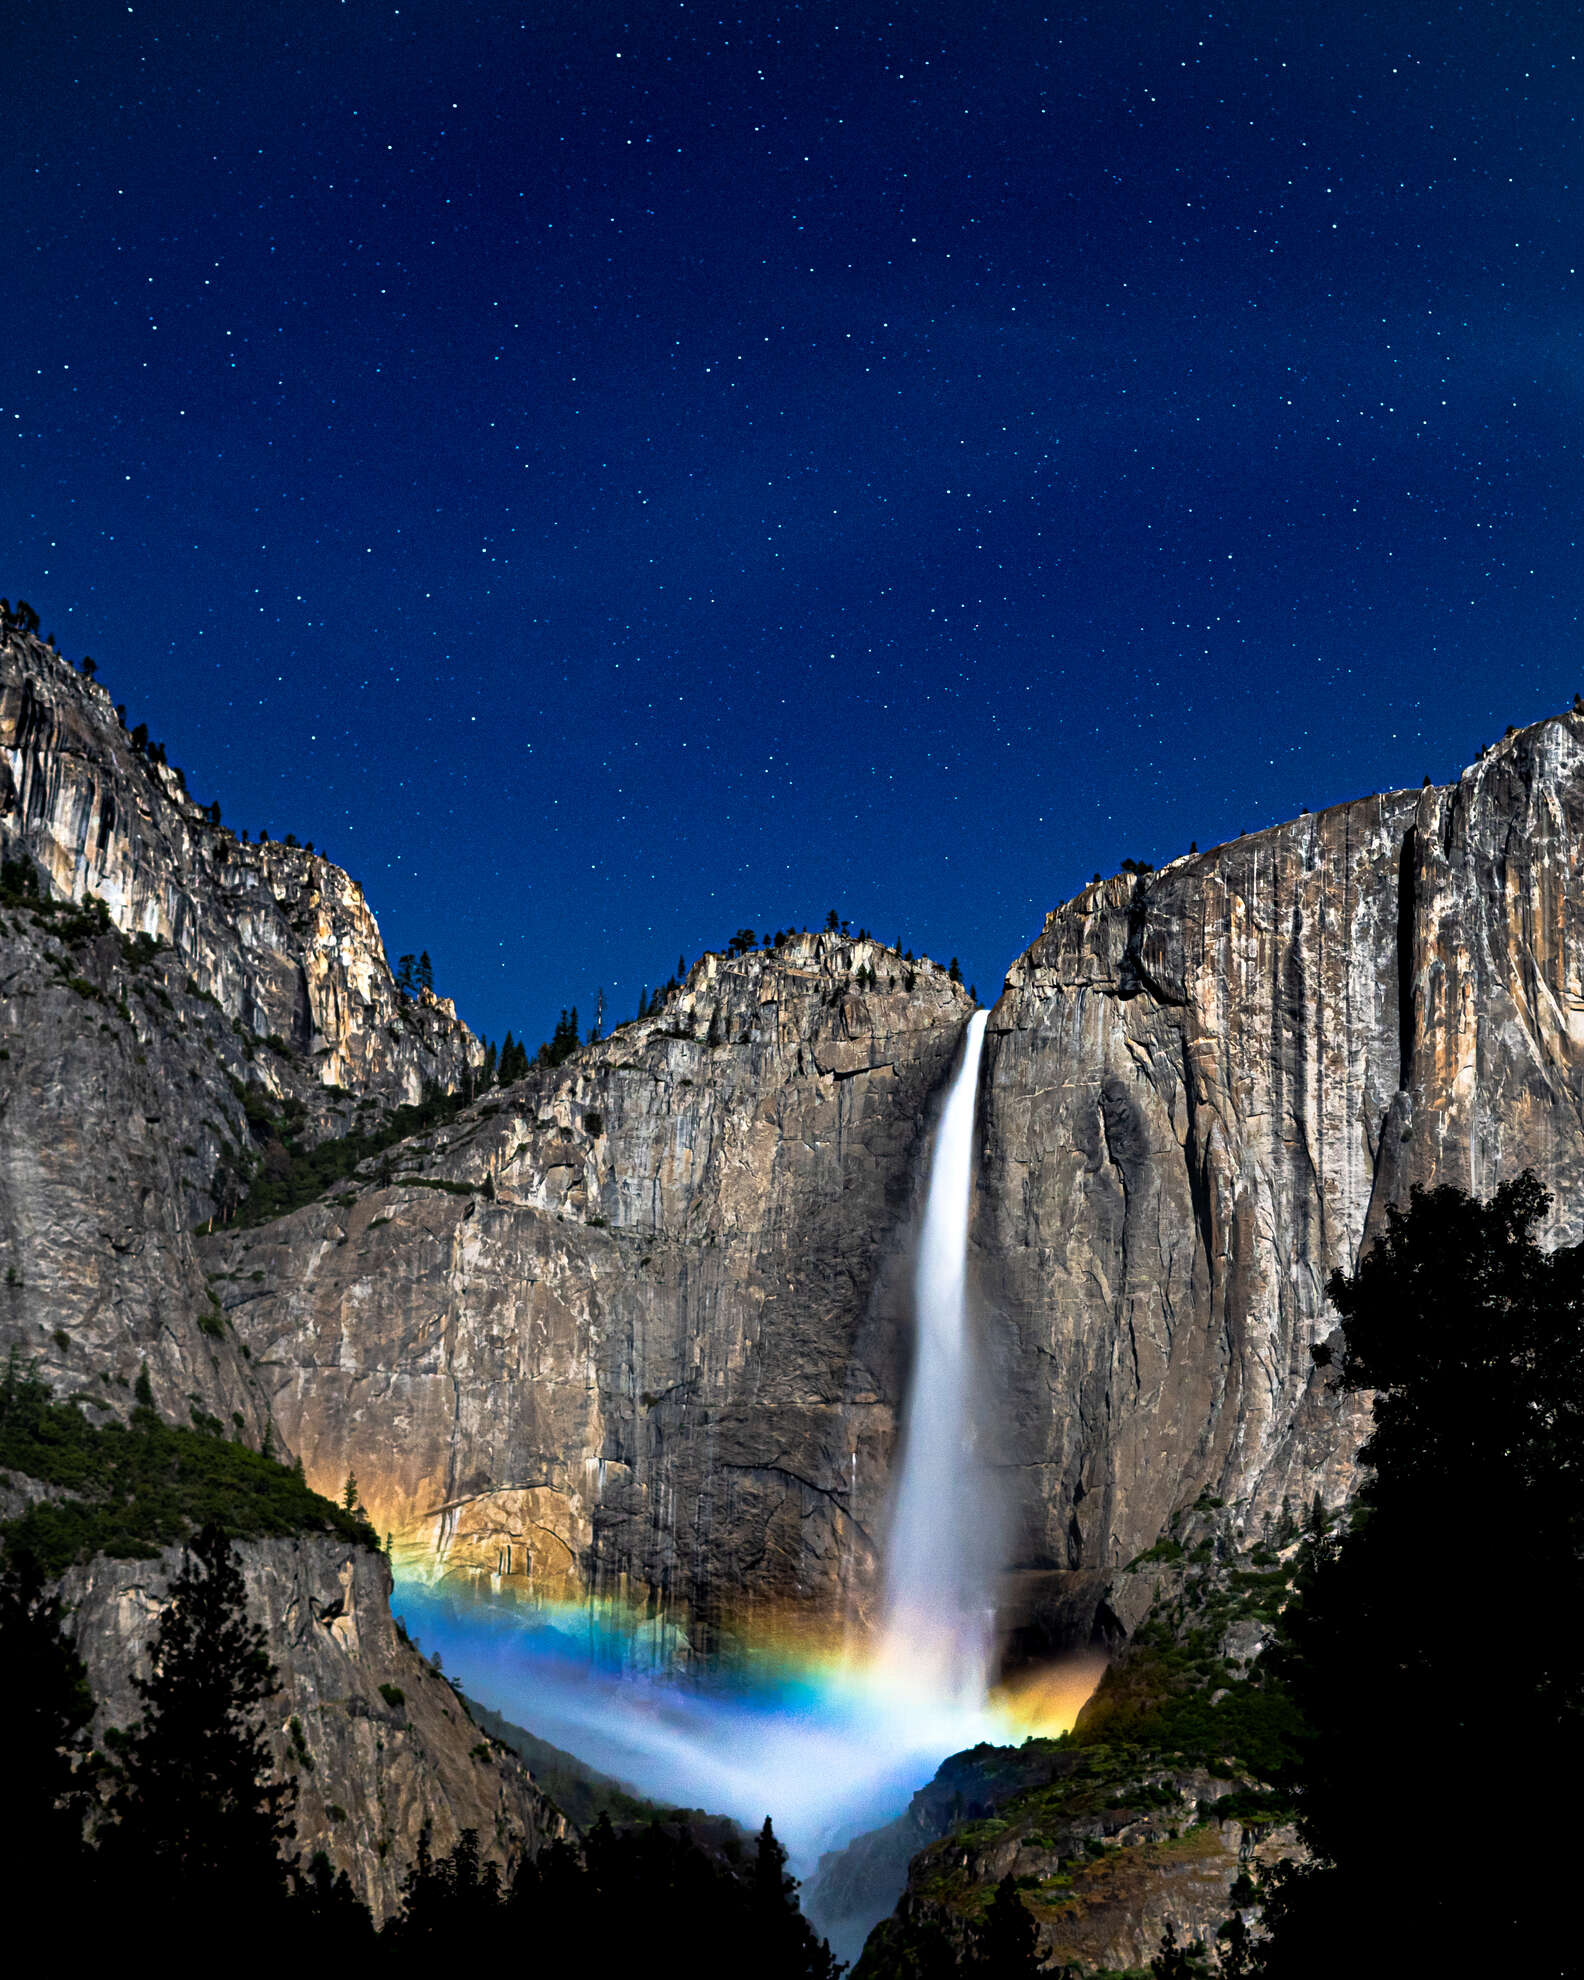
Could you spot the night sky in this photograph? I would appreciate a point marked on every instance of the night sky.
(612, 475)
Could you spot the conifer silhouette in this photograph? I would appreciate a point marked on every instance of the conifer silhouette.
(48, 1710)
(197, 1815)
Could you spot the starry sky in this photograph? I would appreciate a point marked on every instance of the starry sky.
(614, 474)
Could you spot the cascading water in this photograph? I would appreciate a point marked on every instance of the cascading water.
(827, 1746)
(939, 1623)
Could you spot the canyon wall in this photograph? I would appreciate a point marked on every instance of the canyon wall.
(134, 1073)
(130, 1038)
(1202, 1088)
(377, 1746)
(637, 1325)
(632, 1327)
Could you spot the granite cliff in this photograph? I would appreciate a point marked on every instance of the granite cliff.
(1202, 1085)
(631, 1327)
(167, 995)
(636, 1325)
(648, 1339)
(377, 1745)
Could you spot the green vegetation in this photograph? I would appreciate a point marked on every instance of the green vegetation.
(287, 1174)
(131, 1489)
(1174, 1695)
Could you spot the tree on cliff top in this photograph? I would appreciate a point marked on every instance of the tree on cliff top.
(1432, 1648)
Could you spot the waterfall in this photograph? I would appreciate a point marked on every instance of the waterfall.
(941, 1552)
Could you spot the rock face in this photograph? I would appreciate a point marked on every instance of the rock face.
(654, 1346)
(378, 1745)
(126, 1069)
(128, 1037)
(631, 1328)
(1103, 1863)
(280, 938)
(637, 1326)
(1203, 1085)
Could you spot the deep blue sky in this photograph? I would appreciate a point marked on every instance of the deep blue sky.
(609, 475)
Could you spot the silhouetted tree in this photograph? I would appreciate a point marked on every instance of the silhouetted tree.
(1472, 1339)
(197, 1815)
(48, 1708)
(329, 1911)
(563, 1041)
(425, 972)
(1005, 1944)
(452, 1900)
(90, 666)
(784, 1942)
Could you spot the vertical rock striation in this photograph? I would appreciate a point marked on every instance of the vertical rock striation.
(1203, 1086)
(129, 1040)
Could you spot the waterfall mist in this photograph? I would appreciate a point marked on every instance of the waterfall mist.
(829, 1746)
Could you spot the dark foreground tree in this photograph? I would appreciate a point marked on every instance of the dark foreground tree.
(1006, 1942)
(1433, 1648)
(328, 1912)
(48, 1707)
(785, 1945)
(197, 1816)
(672, 1903)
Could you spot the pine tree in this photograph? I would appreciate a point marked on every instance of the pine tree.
(329, 1911)
(1176, 1961)
(1006, 1946)
(47, 1714)
(452, 1900)
(197, 1816)
(785, 1946)
(425, 971)
(1469, 1337)
(349, 1493)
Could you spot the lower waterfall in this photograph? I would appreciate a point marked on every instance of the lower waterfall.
(828, 1747)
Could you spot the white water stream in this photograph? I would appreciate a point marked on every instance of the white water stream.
(940, 1564)
(841, 1748)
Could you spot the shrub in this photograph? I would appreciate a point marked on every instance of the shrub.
(131, 1489)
